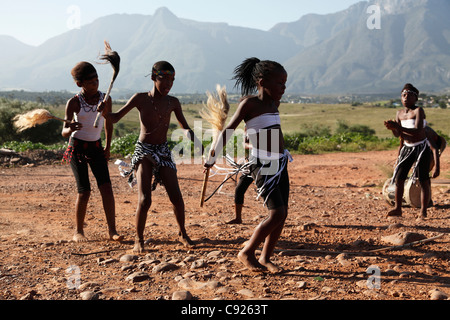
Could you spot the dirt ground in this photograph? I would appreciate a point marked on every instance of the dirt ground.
(336, 206)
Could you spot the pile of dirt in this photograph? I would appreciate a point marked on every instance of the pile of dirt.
(10, 158)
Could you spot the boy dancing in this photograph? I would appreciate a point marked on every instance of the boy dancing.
(152, 158)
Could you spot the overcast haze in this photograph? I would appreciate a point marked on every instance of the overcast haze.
(33, 22)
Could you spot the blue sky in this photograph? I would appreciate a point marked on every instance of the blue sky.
(35, 21)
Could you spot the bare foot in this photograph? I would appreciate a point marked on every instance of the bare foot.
(138, 246)
(185, 240)
(251, 263)
(395, 213)
(79, 237)
(421, 217)
(115, 237)
(273, 268)
(235, 221)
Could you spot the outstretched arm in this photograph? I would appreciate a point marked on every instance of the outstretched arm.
(115, 117)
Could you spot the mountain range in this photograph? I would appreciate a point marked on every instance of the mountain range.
(336, 53)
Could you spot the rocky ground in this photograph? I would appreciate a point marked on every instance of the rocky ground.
(337, 216)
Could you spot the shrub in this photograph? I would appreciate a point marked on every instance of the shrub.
(124, 145)
(47, 133)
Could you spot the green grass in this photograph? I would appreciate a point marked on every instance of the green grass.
(297, 117)
(308, 128)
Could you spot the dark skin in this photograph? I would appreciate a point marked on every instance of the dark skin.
(268, 99)
(89, 88)
(411, 135)
(237, 206)
(155, 108)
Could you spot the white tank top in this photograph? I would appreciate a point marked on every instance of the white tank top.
(411, 123)
(264, 121)
(87, 116)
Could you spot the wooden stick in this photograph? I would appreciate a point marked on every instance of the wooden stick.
(97, 119)
(63, 120)
(97, 252)
(114, 59)
(407, 245)
(216, 113)
(205, 184)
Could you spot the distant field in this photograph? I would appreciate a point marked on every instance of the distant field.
(294, 117)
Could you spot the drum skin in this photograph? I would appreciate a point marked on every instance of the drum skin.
(411, 196)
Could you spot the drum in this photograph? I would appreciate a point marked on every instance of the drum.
(411, 195)
(389, 192)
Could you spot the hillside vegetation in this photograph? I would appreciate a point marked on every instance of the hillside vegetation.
(308, 128)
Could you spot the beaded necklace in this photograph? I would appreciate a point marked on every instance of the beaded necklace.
(160, 114)
(86, 106)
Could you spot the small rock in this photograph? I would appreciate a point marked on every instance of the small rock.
(181, 295)
(213, 284)
(164, 266)
(308, 226)
(246, 292)
(89, 285)
(342, 259)
(107, 261)
(402, 238)
(128, 258)
(342, 256)
(214, 254)
(29, 296)
(198, 264)
(138, 277)
(390, 272)
(437, 294)
(223, 275)
(145, 263)
(327, 289)
(89, 295)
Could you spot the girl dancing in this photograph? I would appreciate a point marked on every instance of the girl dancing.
(268, 158)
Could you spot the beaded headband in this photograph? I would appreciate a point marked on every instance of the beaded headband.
(410, 91)
(163, 73)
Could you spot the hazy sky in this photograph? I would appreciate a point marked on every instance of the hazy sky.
(35, 21)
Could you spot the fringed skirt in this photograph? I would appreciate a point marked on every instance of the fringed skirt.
(417, 157)
(272, 180)
(161, 154)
